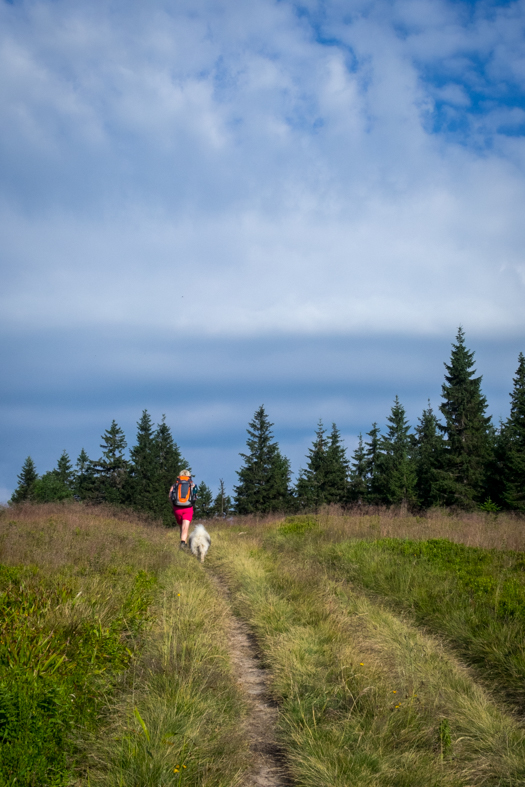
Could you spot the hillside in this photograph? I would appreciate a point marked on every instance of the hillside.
(374, 649)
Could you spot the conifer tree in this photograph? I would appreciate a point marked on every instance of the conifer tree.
(84, 477)
(467, 429)
(372, 455)
(203, 506)
(430, 457)
(265, 475)
(357, 487)
(311, 487)
(169, 464)
(395, 471)
(222, 504)
(337, 469)
(144, 469)
(514, 442)
(26, 482)
(64, 470)
(112, 467)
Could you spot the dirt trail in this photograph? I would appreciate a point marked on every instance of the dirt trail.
(268, 767)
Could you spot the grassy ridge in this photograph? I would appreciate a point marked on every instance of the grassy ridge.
(366, 697)
(92, 630)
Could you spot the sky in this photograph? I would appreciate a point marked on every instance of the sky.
(208, 205)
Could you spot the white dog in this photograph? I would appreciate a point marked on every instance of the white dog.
(200, 542)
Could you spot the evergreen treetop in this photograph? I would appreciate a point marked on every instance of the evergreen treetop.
(429, 454)
(395, 476)
(26, 482)
(358, 488)
(264, 477)
(466, 427)
(514, 442)
(64, 470)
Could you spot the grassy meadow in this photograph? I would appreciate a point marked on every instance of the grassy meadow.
(394, 645)
(113, 661)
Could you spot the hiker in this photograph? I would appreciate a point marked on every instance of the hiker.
(182, 496)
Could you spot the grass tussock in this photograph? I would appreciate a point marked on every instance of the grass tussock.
(92, 631)
(366, 696)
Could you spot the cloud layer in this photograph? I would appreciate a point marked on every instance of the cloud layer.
(283, 168)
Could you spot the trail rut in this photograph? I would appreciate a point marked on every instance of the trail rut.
(268, 769)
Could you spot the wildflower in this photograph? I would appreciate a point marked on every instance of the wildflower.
(394, 691)
(175, 770)
(183, 766)
(361, 664)
(178, 594)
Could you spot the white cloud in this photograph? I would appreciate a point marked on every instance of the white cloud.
(213, 168)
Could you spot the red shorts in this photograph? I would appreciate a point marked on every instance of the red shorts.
(183, 513)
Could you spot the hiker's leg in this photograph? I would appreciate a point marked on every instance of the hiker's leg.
(184, 530)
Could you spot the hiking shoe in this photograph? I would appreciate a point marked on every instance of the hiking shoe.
(183, 545)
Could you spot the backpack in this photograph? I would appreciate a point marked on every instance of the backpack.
(183, 493)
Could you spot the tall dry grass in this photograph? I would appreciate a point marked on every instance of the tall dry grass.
(504, 530)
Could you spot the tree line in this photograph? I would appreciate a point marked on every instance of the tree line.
(463, 460)
(141, 481)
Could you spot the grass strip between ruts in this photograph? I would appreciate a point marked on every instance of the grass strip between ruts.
(180, 722)
(365, 697)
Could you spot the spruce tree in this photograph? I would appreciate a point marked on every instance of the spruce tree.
(430, 457)
(169, 464)
(265, 475)
(144, 469)
(203, 506)
(26, 482)
(222, 504)
(64, 470)
(84, 486)
(467, 429)
(357, 487)
(395, 471)
(372, 454)
(514, 442)
(311, 488)
(337, 469)
(112, 468)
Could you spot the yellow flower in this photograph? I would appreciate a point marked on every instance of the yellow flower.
(178, 594)
(361, 664)
(183, 766)
(175, 770)
(394, 692)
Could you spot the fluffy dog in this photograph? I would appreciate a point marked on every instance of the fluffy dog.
(200, 542)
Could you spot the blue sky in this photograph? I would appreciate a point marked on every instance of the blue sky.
(209, 205)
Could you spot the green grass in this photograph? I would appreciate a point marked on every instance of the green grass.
(179, 721)
(99, 656)
(366, 697)
(475, 597)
